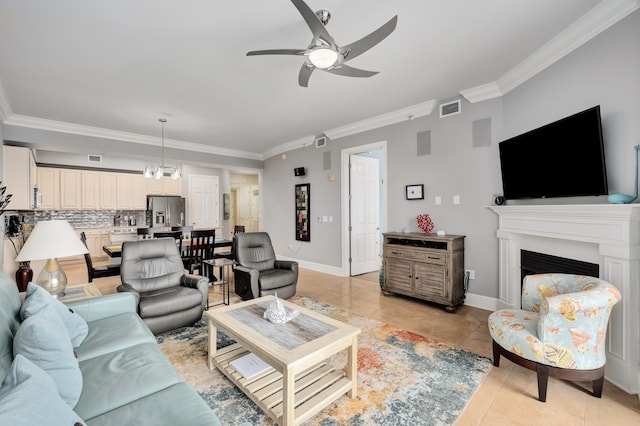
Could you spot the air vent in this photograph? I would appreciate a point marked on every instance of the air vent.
(450, 108)
(94, 158)
(321, 142)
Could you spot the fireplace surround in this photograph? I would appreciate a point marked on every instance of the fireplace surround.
(607, 235)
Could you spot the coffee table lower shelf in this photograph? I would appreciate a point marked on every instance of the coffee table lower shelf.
(315, 387)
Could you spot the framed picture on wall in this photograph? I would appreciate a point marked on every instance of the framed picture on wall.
(414, 192)
(226, 204)
(303, 214)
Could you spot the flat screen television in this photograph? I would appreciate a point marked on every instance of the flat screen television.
(561, 159)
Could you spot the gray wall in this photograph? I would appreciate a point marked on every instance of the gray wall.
(603, 72)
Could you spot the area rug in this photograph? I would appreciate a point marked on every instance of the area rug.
(403, 378)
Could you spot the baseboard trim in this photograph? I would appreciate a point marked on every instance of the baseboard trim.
(318, 267)
(482, 302)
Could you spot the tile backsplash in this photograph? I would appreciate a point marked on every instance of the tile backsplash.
(80, 219)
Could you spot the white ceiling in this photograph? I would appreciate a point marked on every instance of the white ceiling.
(121, 64)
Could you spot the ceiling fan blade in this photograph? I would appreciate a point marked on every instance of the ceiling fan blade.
(277, 52)
(348, 71)
(357, 48)
(315, 25)
(305, 73)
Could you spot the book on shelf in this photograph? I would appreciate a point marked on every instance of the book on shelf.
(249, 365)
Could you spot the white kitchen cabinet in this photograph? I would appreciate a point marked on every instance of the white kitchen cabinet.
(48, 182)
(171, 186)
(164, 186)
(70, 189)
(124, 196)
(90, 190)
(139, 200)
(19, 176)
(108, 191)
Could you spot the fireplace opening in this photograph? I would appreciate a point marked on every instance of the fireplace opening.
(532, 263)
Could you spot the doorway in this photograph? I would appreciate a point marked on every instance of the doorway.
(245, 201)
(363, 207)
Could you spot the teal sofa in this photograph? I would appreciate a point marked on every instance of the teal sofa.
(124, 377)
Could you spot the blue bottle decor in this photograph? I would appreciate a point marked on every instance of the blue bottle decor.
(627, 198)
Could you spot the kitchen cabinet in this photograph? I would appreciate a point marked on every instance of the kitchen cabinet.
(19, 176)
(48, 182)
(164, 186)
(425, 266)
(171, 186)
(90, 190)
(139, 198)
(124, 195)
(70, 189)
(108, 191)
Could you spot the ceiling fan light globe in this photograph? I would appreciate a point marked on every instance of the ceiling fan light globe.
(323, 57)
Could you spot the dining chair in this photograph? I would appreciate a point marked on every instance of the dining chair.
(97, 271)
(144, 233)
(200, 248)
(231, 252)
(185, 229)
(176, 235)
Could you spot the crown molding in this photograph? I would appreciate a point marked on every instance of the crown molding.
(585, 28)
(482, 93)
(98, 132)
(393, 117)
(5, 106)
(288, 146)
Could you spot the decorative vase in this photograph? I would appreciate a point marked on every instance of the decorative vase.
(425, 223)
(24, 274)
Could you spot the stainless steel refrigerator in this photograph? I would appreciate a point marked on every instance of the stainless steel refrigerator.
(165, 211)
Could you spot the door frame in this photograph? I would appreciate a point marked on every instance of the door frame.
(346, 205)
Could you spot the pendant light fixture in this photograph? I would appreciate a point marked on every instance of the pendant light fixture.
(158, 171)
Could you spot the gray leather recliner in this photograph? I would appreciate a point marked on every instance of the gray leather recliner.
(167, 298)
(258, 273)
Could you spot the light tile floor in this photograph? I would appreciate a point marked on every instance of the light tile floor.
(508, 395)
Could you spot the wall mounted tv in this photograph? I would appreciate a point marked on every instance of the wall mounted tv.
(562, 159)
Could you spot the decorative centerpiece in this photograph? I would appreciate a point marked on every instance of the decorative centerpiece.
(277, 313)
(425, 223)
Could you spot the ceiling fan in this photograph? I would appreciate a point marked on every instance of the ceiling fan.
(323, 52)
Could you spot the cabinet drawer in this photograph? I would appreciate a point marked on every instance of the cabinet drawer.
(416, 254)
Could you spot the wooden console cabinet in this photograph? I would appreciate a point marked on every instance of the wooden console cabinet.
(425, 266)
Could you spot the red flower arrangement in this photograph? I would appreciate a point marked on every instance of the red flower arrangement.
(425, 223)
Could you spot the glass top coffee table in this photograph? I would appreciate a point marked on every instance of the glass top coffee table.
(299, 382)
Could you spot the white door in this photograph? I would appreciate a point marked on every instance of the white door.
(255, 211)
(204, 201)
(365, 214)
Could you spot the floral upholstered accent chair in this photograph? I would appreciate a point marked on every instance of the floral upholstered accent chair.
(560, 330)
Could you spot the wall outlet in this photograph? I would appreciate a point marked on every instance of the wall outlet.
(456, 200)
(290, 246)
(472, 273)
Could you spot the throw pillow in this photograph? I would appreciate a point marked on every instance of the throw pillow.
(43, 339)
(28, 396)
(37, 297)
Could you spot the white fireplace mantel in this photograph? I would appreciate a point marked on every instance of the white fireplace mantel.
(605, 234)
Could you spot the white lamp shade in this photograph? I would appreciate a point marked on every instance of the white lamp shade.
(51, 239)
(323, 57)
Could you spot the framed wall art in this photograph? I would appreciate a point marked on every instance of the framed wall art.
(414, 192)
(303, 212)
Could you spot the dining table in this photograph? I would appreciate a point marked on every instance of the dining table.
(115, 250)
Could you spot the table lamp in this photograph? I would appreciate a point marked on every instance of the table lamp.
(49, 240)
